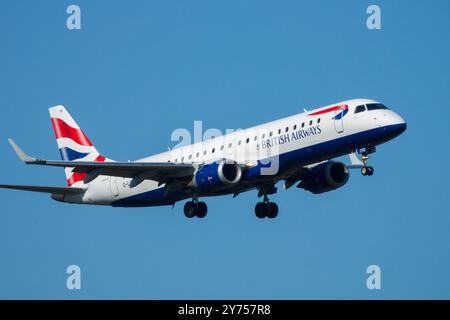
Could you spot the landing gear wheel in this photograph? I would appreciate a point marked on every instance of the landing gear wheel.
(201, 210)
(364, 171)
(367, 171)
(266, 209)
(189, 209)
(273, 210)
(261, 210)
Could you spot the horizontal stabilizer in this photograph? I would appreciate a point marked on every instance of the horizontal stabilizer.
(54, 190)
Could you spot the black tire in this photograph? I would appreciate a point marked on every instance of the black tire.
(370, 171)
(364, 171)
(273, 210)
(261, 210)
(202, 210)
(189, 209)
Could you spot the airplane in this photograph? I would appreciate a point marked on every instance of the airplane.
(300, 149)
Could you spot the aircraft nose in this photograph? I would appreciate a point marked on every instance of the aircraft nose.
(397, 124)
(400, 128)
(398, 120)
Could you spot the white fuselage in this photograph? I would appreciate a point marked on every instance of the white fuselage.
(269, 140)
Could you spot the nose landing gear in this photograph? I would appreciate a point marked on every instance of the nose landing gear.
(366, 170)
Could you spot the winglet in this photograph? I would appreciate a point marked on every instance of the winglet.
(22, 155)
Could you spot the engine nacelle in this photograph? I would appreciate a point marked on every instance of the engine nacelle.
(325, 177)
(217, 174)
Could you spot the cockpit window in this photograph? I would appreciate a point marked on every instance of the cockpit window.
(360, 108)
(375, 106)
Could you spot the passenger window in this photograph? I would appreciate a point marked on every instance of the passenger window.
(213, 149)
(271, 133)
(318, 120)
(198, 154)
(303, 124)
(182, 159)
(229, 145)
(279, 131)
(190, 156)
(263, 135)
(221, 148)
(254, 139)
(295, 127)
(248, 139)
(175, 160)
(239, 142)
(310, 122)
(360, 108)
(204, 153)
(287, 129)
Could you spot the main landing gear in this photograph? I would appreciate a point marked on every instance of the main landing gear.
(367, 170)
(266, 209)
(195, 208)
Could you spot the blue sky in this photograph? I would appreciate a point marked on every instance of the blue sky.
(138, 70)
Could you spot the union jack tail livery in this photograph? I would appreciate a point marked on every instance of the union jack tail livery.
(73, 144)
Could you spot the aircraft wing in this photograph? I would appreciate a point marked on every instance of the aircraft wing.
(158, 171)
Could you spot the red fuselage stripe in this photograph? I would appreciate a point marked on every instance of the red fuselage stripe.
(339, 107)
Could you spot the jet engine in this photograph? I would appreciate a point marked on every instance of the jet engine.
(217, 174)
(324, 177)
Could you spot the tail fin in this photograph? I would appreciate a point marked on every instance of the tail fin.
(73, 144)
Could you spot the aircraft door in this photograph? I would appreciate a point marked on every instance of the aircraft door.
(113, 186)
(338, 121)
